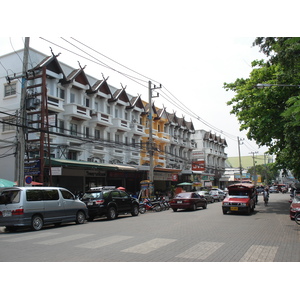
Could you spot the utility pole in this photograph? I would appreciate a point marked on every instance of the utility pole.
(240, 159)
(23, 117)
(254, 168)
(151, 151)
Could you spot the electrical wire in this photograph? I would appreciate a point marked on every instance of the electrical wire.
(176, 102)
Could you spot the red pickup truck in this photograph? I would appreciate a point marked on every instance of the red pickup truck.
(241, 197)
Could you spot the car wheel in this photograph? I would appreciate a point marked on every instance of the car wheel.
(205, 206)
(174, 209)
(135, 211)
(224, 211)
(111, 213)
(194, 206)
(142, 209)
(37, 222)
(80, 217)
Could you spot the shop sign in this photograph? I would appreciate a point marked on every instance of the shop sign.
(160, 176)
(198, 165)
(32, 168)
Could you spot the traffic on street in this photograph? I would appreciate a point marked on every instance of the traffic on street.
(203, 234)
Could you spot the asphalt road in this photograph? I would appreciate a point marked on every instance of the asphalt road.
(267, 235)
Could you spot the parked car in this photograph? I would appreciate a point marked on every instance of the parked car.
(217, 195)
(37, 206)
(207, 196)
(295, 205)
(188, 200)
(110, 202)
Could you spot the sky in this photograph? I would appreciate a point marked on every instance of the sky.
(189, 48)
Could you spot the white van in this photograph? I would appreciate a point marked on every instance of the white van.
(38, 206)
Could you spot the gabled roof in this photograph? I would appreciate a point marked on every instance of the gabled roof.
(190, 126)
(51, 63)
(137, 102)
(78, 76)
(120, 94)
(101, 86)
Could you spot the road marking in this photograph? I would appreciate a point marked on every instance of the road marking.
(105, 242)
(201, 251)
(149, 246)
(260, 253)
(30, 237)
(64, 239)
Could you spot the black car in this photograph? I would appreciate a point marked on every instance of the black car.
(109, 202)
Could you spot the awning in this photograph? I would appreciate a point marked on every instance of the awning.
(55, 162)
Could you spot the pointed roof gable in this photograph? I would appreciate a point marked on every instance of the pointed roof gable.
(52, 64)
(138, 103)
(102, 87)
(190, 126)
(121, 95)
(78, 76)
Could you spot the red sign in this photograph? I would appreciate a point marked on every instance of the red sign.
(174, 177)
(198, 165)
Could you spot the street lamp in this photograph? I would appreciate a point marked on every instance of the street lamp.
(263, 85)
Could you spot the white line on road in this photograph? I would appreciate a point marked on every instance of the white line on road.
(201, 251)
(64, 239)
(259, 253)
(30, 237)
(104, 242)
(149, 246)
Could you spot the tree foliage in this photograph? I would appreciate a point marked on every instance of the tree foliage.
(271, 116)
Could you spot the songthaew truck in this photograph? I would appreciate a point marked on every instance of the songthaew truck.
(241, 197)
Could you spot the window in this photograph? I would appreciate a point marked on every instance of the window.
(8, 123)
(87, 102)
(72, 98)
(133, 142)
(67, 194)
(73, 129)
(9, 196)
(97, 134)
(87, 132)
(117, 138)
(10, 89)
(61, 126)
(40, 195)
(72, 155)
(60, 93)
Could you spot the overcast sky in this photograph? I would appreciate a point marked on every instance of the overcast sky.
(191, 49)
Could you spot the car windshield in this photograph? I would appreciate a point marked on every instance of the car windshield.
(183, 195)
(9, 197)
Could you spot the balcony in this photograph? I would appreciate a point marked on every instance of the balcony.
(55, 104)
(77, 112)
(100, 118)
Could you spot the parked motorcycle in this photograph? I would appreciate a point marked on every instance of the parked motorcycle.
(149, 205)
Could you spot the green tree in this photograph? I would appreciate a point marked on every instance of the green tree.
(271, 116)
(268, 172)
